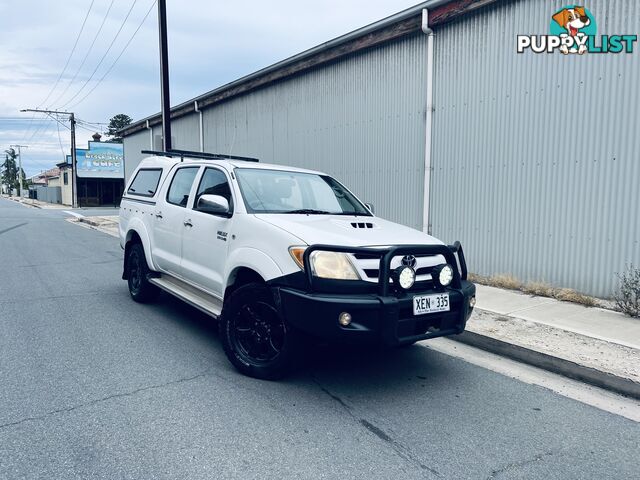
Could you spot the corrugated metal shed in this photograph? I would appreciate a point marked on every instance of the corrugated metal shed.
(535, 157)
(360, 120)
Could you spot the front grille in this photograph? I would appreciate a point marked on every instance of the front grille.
(368, 265)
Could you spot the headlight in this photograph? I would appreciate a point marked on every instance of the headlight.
(334, 265)
(442, 274)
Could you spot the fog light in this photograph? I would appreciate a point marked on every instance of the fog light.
(442, 274)
(472, 302)
(344, 319)
(404, 276)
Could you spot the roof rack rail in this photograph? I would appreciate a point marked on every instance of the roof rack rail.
(188, 153)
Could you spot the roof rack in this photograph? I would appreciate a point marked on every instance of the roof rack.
(188, 153)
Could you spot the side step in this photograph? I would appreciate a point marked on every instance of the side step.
(193, 296)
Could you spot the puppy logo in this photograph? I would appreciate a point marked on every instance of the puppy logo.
(573, 29)
(573, 22)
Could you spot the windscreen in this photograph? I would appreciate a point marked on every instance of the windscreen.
(276, 191)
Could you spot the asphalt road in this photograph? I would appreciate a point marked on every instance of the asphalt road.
(93, 385)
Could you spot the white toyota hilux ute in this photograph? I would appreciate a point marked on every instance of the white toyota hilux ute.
(277, 253)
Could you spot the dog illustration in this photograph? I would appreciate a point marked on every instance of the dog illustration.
(573, 20)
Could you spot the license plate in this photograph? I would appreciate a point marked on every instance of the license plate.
(431, 303)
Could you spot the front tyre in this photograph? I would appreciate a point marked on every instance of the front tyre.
(138, 276)
(255, 337)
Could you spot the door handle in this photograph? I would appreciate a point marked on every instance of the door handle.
(187, 223)
(158, 214)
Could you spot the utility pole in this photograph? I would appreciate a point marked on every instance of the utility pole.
(19, 166)
(74, 162)
(164, 75)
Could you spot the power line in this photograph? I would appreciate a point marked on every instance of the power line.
(37, 129)
(75, 75)
(75, 44)
(103, 56)
(117, 58)
(60, 142)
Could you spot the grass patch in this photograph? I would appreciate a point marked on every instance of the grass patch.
(540, 289)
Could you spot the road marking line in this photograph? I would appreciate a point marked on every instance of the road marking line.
(582, 392)
(77, 215)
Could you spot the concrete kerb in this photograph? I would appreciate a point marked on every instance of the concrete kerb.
(551, 363)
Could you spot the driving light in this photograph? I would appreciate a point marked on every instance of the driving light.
(443, 274)
(472, 302)
(334, 265)
(344, 319)
(297, 253)
(405, 277)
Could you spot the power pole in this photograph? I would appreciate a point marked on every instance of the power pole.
(164, 75)
(74, 162)
(19, 166)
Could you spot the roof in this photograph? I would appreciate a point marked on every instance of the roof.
(167, 162)
(396, 26)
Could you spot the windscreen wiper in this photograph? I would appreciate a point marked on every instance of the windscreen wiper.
(309, 211)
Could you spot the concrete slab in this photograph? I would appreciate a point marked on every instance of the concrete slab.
(593, 322)
(506, 302)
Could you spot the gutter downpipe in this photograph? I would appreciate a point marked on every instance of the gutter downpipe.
(426, 226)
(201, 124)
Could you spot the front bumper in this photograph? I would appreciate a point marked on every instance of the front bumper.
(382, 314)
(389, 320)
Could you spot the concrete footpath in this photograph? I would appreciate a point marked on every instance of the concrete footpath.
(590, 344)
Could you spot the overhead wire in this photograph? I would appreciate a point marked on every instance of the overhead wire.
(75, 44)
(118, 57)
(86, 55)
(73, 49)
(103, 56)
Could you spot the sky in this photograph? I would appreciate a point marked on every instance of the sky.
(210, 44)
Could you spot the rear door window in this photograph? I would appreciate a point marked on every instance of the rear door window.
(145, 183)
(181, 183)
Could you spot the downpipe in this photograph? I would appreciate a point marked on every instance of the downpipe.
(426, 226)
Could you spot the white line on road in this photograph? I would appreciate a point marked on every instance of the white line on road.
(75, 214)
(596, 397)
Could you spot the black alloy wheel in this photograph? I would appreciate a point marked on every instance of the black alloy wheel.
(255, 337)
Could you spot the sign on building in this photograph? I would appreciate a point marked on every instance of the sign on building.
(100, 160)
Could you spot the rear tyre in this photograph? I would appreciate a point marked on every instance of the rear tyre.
(255, 337)
(138, 276)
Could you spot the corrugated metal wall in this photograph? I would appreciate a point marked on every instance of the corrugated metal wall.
(536, 157)
(185, 133)
(360, 120)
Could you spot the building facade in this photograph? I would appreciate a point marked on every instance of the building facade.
(529, 159)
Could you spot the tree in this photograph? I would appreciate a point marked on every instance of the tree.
(10, 170)
(117, 123)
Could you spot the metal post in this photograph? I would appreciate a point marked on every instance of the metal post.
(74, 161)
(164, 75)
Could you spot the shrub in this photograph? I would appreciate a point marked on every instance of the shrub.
(628, 295)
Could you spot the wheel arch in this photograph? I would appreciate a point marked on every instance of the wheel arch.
(248, 265)
(136, 235)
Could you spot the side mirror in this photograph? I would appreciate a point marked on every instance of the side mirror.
(370, 207)
(214, 204)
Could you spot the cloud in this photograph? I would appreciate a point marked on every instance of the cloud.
(210, 44)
